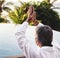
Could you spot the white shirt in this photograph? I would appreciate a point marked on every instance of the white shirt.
(31, 51)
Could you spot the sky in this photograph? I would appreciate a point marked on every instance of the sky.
(23, 0)
(57, 3)
(31, 0)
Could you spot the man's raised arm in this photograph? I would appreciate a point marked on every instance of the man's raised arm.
(20, 34)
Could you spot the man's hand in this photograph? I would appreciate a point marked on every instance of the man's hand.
(32, 16)
(30, 12)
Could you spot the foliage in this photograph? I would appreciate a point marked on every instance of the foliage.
(19, 15)
(48, 16)
(1, 3)
(2, 20)
(3, 7)
(44, 14)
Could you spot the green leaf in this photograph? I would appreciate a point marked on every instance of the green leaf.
(7, 9)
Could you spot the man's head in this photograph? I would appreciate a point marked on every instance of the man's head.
(44, 36)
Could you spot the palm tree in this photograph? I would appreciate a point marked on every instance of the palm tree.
(45, 14)
(48, 16)
(19, 14)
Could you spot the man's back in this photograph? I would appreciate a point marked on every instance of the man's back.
(31, 51)
(48, 52)
(44, 52)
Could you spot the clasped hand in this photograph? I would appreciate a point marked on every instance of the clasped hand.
(32, 16)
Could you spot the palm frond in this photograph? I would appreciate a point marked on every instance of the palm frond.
(7, 9)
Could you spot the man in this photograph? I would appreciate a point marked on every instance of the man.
(43, 38)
